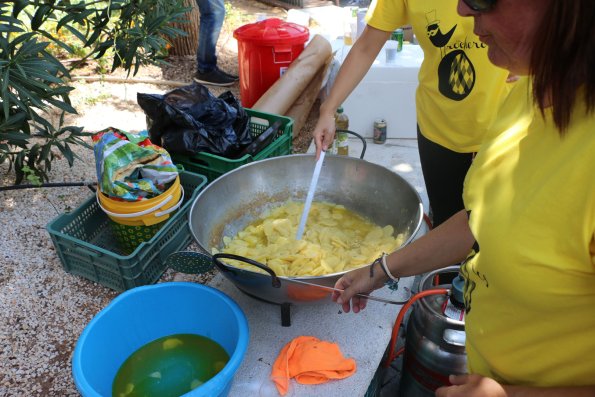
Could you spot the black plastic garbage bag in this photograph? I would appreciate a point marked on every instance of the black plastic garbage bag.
(190, 119)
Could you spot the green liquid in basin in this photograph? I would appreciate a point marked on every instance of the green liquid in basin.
(169, 367)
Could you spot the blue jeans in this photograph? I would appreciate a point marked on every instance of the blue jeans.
(212, 13)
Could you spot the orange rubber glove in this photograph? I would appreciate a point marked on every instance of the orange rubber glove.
(310, 361)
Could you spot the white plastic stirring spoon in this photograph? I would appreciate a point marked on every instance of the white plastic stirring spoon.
(310, 196)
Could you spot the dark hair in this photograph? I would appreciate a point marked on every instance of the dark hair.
(563, 58)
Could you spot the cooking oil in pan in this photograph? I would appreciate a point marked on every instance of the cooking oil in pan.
(335, 239)
(169, 367)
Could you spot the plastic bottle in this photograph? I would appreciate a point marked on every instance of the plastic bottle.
(394, 45)
(350, 26)
(341, 123)
(361, 21)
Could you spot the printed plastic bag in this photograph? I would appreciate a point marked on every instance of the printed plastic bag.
(130, 167)
(190, 119)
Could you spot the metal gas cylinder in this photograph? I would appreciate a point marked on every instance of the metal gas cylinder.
(435, 338)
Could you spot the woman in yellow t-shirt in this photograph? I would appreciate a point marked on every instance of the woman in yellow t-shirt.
(459, 90)
(528, 228)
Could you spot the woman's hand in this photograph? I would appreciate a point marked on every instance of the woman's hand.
(324, 132)
(481, 386)
(471, 386)
(358, 281)
(352, 71)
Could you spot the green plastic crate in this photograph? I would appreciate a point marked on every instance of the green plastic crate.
(213, 166)
(87, 246)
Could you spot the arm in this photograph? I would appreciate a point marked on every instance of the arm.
(447, 244)
(480, 386)
(352, 71)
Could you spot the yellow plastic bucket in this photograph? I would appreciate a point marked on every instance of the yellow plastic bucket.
(134, 222)
(145, 212)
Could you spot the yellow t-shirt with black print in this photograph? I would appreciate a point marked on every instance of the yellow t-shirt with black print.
(530, 288)
(459, 89)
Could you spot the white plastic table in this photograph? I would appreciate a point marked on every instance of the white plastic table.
(363, 336)
(387, 91)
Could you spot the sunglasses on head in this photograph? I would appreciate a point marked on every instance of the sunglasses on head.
(480, 5)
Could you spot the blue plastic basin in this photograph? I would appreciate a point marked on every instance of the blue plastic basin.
(141, 315)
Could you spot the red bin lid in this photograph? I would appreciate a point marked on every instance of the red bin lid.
(272, 31)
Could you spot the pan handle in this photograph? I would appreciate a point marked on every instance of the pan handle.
(275, 280)
(365, 145)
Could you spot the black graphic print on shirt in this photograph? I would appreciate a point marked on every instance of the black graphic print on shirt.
(469, 283)
(456, 74)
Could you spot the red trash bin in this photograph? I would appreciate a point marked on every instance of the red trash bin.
(265, 51)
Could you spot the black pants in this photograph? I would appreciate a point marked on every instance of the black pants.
(444, 172)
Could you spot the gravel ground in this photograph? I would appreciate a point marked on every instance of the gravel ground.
(43, 309)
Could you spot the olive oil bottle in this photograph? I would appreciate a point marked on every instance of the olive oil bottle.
(341, 140)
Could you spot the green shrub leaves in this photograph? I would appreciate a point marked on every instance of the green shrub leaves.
(34, 84)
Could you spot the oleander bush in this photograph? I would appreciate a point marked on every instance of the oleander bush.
(35, 36)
